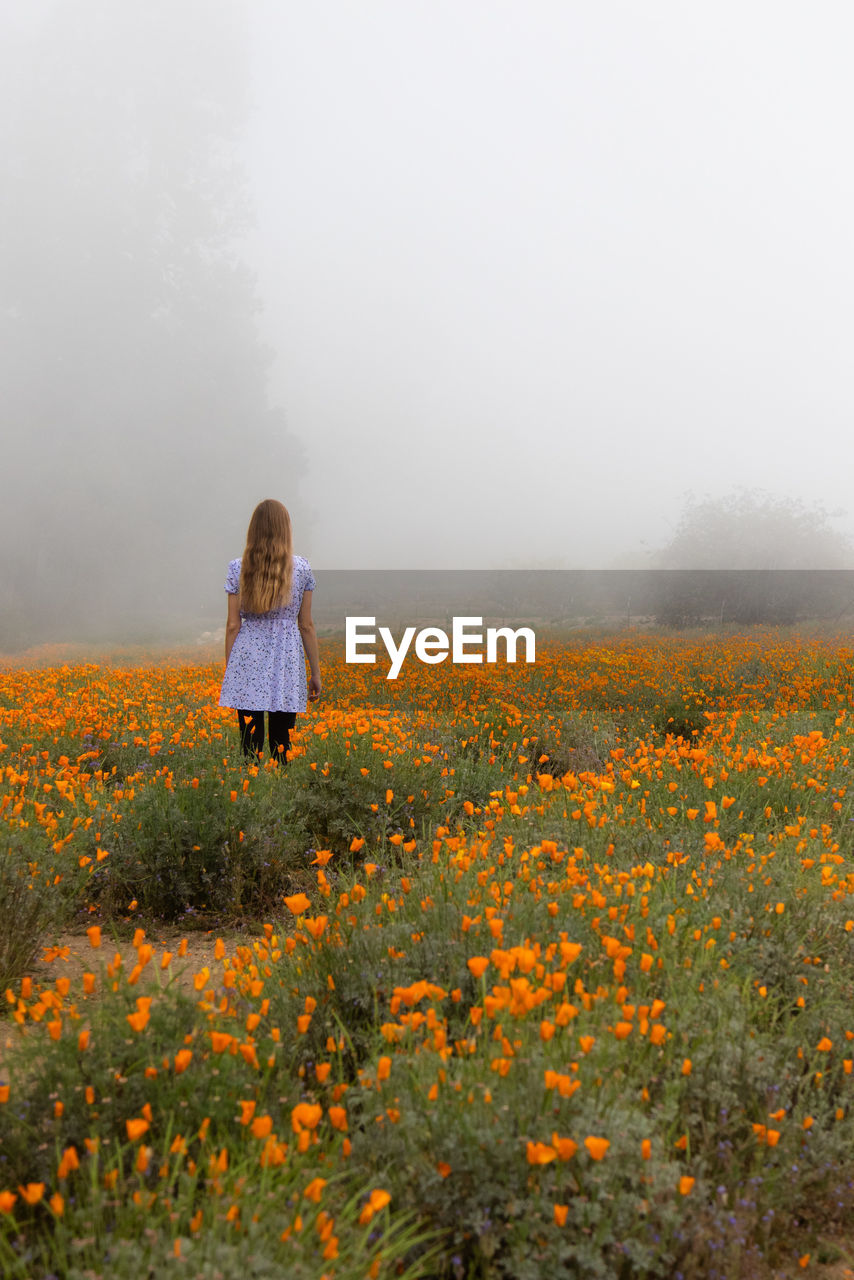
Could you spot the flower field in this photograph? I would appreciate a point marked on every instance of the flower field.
(548, 971)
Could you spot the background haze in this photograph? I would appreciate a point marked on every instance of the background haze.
(469, 285)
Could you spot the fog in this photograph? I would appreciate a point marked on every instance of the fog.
(484, 284)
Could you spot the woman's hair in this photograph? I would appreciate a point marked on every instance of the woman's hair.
(266, 570)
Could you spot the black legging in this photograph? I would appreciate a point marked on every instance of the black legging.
(252, 732)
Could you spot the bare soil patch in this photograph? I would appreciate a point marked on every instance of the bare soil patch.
(72, 955)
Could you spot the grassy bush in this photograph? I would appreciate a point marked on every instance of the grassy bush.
(28, 909)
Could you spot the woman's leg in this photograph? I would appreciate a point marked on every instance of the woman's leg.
(281, 723)
(251, 732)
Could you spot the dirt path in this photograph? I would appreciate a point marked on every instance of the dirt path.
(72, 955)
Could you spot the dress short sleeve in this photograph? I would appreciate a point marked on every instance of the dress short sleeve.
(232, 579)
(309, 584)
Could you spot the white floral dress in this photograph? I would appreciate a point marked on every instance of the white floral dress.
(266, 666)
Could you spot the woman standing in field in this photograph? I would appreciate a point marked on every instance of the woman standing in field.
(269, 627)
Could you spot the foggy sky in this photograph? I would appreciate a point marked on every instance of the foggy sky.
(535, 269)
(529, 272)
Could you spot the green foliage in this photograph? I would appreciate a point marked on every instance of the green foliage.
(187, 847)
(28, 910)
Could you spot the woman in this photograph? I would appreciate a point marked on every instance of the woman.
(269, 627)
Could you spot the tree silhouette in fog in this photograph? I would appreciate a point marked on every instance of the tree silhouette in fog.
(134, 383)
(748, 529)
(753, 557)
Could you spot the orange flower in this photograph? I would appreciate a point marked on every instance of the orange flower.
(824, 1045)
(478, 965)
(32, 1192)
(314, 1190)
(262, 1126)
(597, 1147)
(560, 1212)
(305, 1115)
(376, 1201)
(7, 1201)
(540, 1153)
(338, 1118)
(69, 1162)
(94, 935)
(565, 1147)
(298, 903)
(136, 1128)
(685, 1185)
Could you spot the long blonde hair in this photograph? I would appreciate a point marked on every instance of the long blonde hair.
(267, 567)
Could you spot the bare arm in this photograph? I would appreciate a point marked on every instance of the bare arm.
(309, 643)
(232, 625)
